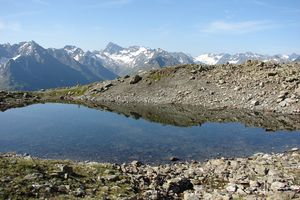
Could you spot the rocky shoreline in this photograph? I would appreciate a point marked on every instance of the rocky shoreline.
(261, 176)
(171, 114)
(17, 99)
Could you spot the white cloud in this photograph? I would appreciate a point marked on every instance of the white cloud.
(241, 27)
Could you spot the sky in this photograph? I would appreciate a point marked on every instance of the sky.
(190, 26)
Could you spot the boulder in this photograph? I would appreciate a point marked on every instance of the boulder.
(254, 102)
(231, 187)
(190, 196)
(135, 79)
(66, 169)
(33, 176)
(179, 185)
(136, 163)
(79, 192)
(174, 159)
(278, 186)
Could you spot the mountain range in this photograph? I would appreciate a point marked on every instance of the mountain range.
(28, 66)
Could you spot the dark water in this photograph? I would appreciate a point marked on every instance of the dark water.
(80, 133)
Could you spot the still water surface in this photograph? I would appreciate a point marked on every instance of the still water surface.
(75, 132)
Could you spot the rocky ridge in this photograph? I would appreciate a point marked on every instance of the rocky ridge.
(255, 85)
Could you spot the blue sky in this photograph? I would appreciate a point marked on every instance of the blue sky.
(191, 26)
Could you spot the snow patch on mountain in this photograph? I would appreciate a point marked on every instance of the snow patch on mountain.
(16, 57)
(128, 56)
(210, 59)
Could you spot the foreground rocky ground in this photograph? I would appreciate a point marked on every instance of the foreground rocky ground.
(261, 176)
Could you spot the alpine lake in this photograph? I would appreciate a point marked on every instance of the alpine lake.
(119, 133)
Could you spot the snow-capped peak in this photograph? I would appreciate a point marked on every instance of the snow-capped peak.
(129, 56)
(28, 48)
(6, 45)
(112, 48)
(74, 52)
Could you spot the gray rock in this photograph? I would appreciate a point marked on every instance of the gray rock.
(283, 104)
(79, 192)
(25, 154)
(190, 196)
(279, 100)
(254, 102)
(272, 73)
(278, 186)
(108, 85)
(66, 169)
(135, 79)
(295, 187)
(179, 185)
(283, 94)
(26, 95)
(254, 184)
(294, 149)
(136, 163)
(231, 187)
(221, 81)
(112, 177)
(262, 84)
(151, 194)
(237, 88)
(174, 159)
(193, 71)
(291, 79)
(63, 189)
(33, 176)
